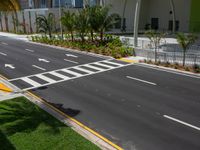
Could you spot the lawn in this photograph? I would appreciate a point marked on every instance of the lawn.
(24, 126)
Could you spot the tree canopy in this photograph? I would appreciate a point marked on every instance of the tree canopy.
(9, 5)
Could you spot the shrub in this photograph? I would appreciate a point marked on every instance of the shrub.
(196, 68)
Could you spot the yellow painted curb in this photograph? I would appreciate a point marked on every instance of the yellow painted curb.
(4, 88)
(128, 60)
(78, 123)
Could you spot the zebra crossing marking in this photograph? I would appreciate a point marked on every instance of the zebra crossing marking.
(105, 65)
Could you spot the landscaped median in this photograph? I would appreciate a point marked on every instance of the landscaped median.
(25, 126)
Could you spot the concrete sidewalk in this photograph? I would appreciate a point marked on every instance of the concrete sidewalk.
(15, 36)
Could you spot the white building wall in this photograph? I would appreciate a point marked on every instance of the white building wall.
(153, 9)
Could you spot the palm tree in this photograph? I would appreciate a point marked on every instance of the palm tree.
(105, 20)
(9, 5)
(45, 24)
(82, 24)
(93, 13)
(155, 38)
(185, 41)
(68, 20)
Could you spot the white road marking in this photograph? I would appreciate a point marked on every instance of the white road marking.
(117, 64)
(39, 67)
(169, 71)
(4, 43)
(30, 81)
(72, 72)
(43, 60)
(59, 75)
(43, 77)
(84, 70)
(94, 67)
(9, 66)
(71, 61)
(76, 74)
(104, 65)
(3, 54)
(141, 80)
(70, 55)
(29, 50)
(182, 122)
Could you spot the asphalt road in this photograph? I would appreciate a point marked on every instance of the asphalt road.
(136, 107)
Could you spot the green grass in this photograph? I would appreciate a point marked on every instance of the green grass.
(24, 126)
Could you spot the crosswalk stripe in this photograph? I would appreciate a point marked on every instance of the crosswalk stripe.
(109, 62)
(59, 75)
(45, 78)
(94, 67)
(84, 70)
(31, 82)
(72, 72)
(104, 65)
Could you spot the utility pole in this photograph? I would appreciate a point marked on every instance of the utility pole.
(136, 21)
(60, 14)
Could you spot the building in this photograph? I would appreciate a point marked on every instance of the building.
(154, 14)
(158, 14)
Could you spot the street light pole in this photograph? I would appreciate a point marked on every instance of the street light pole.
(60, 14)
(136, 22)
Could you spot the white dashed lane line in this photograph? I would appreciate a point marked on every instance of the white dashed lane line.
(3, 54)
(71, 61)
(39, 67)
(140, 80)
(30, 50)
(181, 122)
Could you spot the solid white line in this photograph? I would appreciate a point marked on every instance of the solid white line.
(71, 61)
(181, 122)
(45, 78)
(30, 81)
(141, 80)
(3, 54)
(39, 67)
(29, 50)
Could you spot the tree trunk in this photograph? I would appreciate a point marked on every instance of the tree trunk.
(155, 52)
(101, 36)
(30, 22)
(24, 22)
(6, 22)
(1, 21)
(72, 36)
(14, 22)
(92, 35)
(184, 57)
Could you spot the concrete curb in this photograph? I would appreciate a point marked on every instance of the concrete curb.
(73, 50)
(170, 70)
(80, 128)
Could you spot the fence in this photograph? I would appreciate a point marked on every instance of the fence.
(172, 57)
(25, 21)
